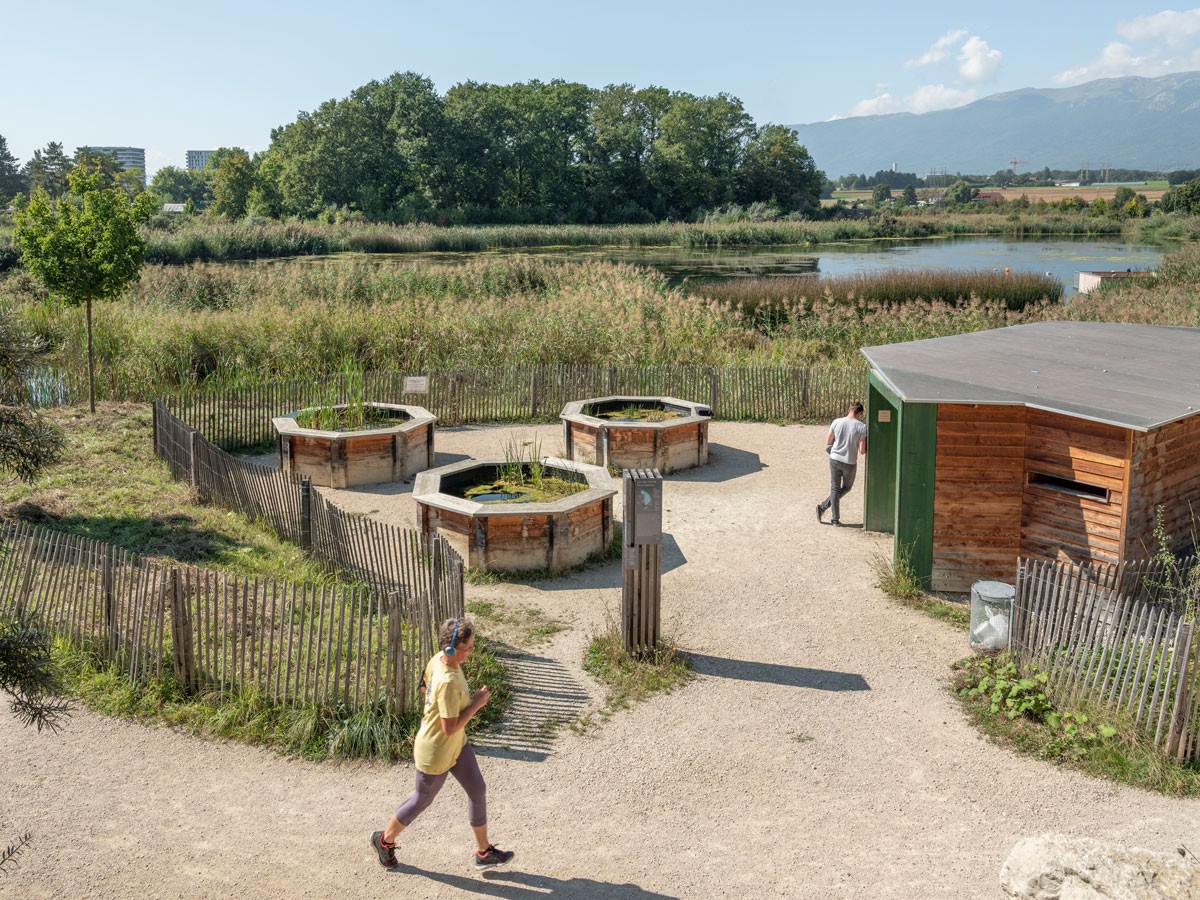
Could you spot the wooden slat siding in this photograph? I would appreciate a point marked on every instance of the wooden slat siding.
(1164, 471)
(1053, 523)
(977, 494)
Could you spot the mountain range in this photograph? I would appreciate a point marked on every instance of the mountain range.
(1131, 123)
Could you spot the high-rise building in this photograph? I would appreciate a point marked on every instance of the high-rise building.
(197, 159)
(127, 157)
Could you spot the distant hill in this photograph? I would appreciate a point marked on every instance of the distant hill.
(1132, 123)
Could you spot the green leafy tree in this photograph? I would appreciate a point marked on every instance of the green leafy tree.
(28, 443)
(959, 193)
(85, 247)
(232, 182)
(177, 185)
(881, 193)
(776, 167)
(909, 196)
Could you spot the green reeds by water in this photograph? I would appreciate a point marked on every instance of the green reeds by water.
(756, 297)
(207, 240)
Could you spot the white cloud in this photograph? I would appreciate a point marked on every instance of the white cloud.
(1168, 25)
(930, 97)
(874, 106)
(977, 61)
(940, 49)
(927, 98)
(1152, 45)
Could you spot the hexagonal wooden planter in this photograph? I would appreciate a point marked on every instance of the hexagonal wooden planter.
(343, 459)
(517, 536)
(680, 442)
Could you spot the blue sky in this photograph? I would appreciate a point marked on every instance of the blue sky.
(173, 77)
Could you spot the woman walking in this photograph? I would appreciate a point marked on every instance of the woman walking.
(441, 748)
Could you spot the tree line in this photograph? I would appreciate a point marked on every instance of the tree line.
(397, 150)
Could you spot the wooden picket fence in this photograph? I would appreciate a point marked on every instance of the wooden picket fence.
(1118, 637)
(337, 647)
(236, 416)
(383, 556)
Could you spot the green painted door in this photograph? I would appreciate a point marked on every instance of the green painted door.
(883, 449)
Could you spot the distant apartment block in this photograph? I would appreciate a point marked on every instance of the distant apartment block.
(127, 157)
(197, 159)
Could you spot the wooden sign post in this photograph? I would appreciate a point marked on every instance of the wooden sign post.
(641, 558)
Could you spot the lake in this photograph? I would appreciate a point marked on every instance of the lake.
(1063, 259)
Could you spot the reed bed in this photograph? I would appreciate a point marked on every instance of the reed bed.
(758, 296)
(211, 240)
(183, 325)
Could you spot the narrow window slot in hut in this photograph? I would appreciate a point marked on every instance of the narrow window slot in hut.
(1068, 486)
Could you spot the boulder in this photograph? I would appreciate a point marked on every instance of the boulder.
(1058, 867)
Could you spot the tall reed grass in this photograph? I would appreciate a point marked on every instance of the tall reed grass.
(210, 240)
(182, 325)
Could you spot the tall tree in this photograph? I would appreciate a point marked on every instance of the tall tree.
(177, 185)
(776, 166)
(11, 180)
(85, 247)
(231, 185)
(47, 170)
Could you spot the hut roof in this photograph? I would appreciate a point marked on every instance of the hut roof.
(1134, 376)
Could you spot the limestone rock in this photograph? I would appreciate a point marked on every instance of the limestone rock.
(1058, 867)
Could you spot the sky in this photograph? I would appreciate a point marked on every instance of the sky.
(178, 77)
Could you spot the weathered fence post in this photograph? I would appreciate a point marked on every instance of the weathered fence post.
(1176, 746)
(306, 494)
(395, 640)
(533, 393)
(193, 443)
(714, 386)
(641, 558)
(110, 605)
(27, 580)
(154, 426)
(181, 634)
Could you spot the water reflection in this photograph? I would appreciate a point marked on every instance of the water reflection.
(1061, 258)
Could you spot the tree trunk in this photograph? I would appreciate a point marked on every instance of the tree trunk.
(91, 361)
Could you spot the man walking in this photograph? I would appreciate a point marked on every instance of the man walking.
(847, 438)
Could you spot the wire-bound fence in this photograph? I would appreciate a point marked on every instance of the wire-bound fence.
(1118, 637)
(337, 647)
(237, 416)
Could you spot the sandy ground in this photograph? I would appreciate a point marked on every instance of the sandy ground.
(818, 754)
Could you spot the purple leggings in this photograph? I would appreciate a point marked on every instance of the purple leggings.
(466, 772)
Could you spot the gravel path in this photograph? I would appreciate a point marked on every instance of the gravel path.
(817, 755)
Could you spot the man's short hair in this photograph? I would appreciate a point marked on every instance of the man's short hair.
(856, 408)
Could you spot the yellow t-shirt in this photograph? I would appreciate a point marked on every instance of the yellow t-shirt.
(446, 696)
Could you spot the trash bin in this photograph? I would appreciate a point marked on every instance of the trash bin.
(991, 615)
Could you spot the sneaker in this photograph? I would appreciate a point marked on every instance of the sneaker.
(820, 514)
(493, 857)
(387, 854)
(834, 522)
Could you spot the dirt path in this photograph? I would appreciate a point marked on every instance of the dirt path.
(817, 755)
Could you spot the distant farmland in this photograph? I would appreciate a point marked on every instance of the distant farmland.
(1153, 190)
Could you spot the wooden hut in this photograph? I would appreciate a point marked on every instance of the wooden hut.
(1055, 440)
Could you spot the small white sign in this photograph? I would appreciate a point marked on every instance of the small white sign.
(885, 415)
(416, 384)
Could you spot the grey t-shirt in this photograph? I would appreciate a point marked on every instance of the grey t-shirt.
(847, 432)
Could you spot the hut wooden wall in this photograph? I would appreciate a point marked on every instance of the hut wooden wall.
(1164, 469)
(977, 507)
(1059, 525)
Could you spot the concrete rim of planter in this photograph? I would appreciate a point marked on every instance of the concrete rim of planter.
(427, 489)
(691, 412)
(417, 416)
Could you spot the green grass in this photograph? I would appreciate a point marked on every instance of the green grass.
(631, 678)
(897, 579)
(248, 716)
(523, 625)
(1125, 756)
(110, 487)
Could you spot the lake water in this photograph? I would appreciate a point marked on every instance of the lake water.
(1063, 259)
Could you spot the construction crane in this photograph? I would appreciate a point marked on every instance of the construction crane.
(1017, 162)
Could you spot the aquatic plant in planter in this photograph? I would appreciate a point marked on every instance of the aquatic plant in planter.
(500, 519)
(662, 433)
(348, 444)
